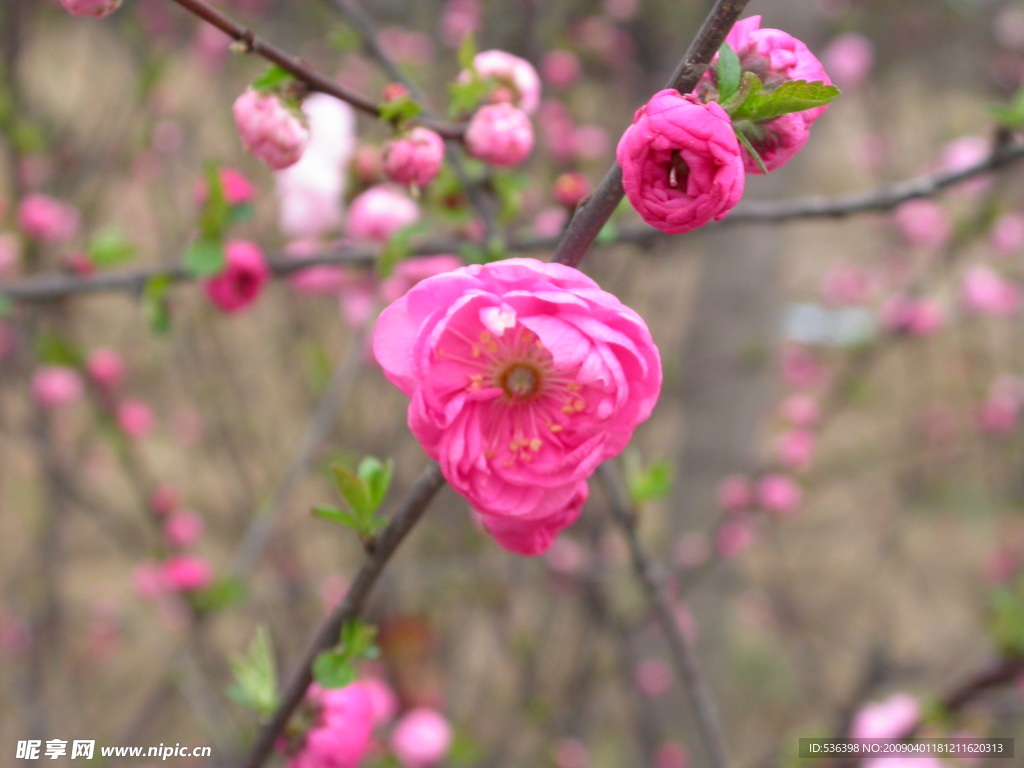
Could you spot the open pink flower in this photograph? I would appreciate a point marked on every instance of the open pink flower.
(241, 281)
(269, 129)
(681, 162)
(341, 736)
(524, 376)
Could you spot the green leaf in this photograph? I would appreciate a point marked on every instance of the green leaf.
(358, 640)
(463, 97)
(108, 248)
(56, 350)
(353, 490)
(255, 673)
(272, 79)
(792, 96)
(155, 307)
(749, 85)
(222, 594)
(728, 72)
(377, 475)
(338, 516)
(204, 257)
(750, 148)
(467, 51)
(333, 669)
(400, 110)
(1012, 115)
(213, 219)
(650, 483)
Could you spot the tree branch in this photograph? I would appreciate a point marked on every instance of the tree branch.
(592, 215)
(429, 482)
(681, 652)
(315, 80)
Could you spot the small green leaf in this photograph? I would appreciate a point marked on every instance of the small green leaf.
(155, 307)
(353, 490)
(463, 97)
(750, 148)
(213, 219)
(204, 258)
(222, 594)
(792, 96)
(358, 640)
(400, 110)
(333, 669)
(728, 72)
(377, 475)
(108, 248)
(272, 79)
(467, 51)
(749, 85)
(650, 483)
(57, 350)
(337, 516)
(255, 673)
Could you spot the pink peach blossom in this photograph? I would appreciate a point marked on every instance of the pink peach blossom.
(985, 292)
(105, 367)
(776, 142)
(796, 448)
(800, 410)
(270, 130)
(571, 189)
(458, 19)
(911, 316)
(241, 281)
(999, 415)
(135, 418)
(550, 221)
(47, 219)
(95, 8)
(779, 494)
(849, 58)
(886, 719)
(523, 376)
(847, 286)
(800, 368)
(237, 188)
(671, 754)
(411, 271)
(382, 699)
(561, 68)
(1007, 235)
(681, 163)
(963, 153)
(379, 212)
(183, 529)
(517, 80)
(422, 738)
(415, 157)
(923, 223)
(341, 736)
(187, 573)
(653, 677)
(500, 134)
(591, 142)
(734, 537)
(56, 385)
(735, 493)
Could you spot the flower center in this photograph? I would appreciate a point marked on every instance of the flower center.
(678, 171)
(519, 381)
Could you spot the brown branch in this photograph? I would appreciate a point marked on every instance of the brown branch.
(429, 482)
(592, 215)
(681, 651)
(49, 287)
(316, 81)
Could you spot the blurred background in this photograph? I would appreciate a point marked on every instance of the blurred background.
(833, 478)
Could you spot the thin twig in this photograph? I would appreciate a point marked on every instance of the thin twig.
(50, 287)
(681, 652)
(429, 482)
(316, 81)
(591, 216)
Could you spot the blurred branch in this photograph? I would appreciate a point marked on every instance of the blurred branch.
(315, 80)
(412, 509)
(49, 287)
(681, 652)
(591, 216)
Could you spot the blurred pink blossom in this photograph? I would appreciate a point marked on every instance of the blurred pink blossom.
(238, 190)
(414, 157)
(380, 212)
(269, 129)
(10, 254)
(135, 418)
(382, 699)
(800, 410)
(183, 529)
(779, 494)
(848, 286)
(187, 573)
(795, 449)
(500, 134)
(95, 8)
(923, 223)
(561, 68)
(517, 79)
(241, 280)
(47, 219)
(911, 316)
(56, 385)
(849, 59)
(550, 222)
(671, 754)
(105, 367)
(653, 677)
(886, 719)
(734, 536)
(458, 19)
(735, 493)
(422, 738)
(1007, 235)
(985, 292)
